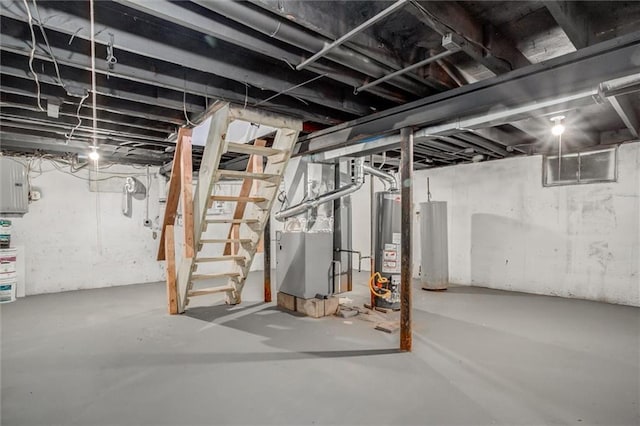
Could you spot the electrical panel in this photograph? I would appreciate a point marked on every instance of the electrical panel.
(14, 188)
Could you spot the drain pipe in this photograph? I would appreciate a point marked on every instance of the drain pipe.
(393, 183)
(357, 183)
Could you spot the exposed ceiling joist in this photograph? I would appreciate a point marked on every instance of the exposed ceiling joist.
(481, 42)
(538, 89)
(15, 142)
(628, 115)
(363, 53)
(13, 86)
(252, 41)
(211, 90)
(234, 68)
(573, 19)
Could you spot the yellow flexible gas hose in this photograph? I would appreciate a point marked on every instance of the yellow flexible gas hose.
(386, 293)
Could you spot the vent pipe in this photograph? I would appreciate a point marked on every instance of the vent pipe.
(393, 183)
(358, 181)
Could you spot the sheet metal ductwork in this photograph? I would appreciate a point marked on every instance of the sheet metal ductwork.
(358, 181)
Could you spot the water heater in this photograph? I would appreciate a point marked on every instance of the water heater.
(386, 286)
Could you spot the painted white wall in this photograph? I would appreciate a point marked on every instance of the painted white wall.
(507, 231)
(69, 246)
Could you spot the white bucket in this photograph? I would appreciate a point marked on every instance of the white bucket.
(8, 288)
(7, 260)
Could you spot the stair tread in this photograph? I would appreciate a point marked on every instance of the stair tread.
(225, 240)
(239, 174)
(250, 199)
(244, 148)
(231, 220)
(209, 290)
(195, 277)
(218, 258)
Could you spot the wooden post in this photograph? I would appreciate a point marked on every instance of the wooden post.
(406, 179)
(266, 238)
(186, 172)
(173, 196)
(170, 257)
(175, 186)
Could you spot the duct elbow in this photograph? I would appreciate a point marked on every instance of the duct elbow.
(388, 177)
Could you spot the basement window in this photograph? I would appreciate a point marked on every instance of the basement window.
(582, 167)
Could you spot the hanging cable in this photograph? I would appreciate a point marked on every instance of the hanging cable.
(70, 135)
(95, 121)
(184, 104)
(435, 18)
(93, 78)
(291, 88)
(32, 54)
(46, 41)
(246, 94)
(384, 160)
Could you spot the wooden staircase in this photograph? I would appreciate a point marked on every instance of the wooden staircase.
(251, 213)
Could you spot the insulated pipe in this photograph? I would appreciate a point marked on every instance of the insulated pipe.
(393, 183)
(357, 183)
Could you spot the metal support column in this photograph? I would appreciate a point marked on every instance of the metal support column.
(266, 240)
(372, 221)
(406, 194)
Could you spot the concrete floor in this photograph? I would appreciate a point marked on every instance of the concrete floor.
(114, 357)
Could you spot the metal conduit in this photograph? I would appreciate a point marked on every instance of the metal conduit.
(287, 32)
(383, 14)
(422, 63)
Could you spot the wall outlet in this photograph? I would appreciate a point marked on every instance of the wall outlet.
(35, 195)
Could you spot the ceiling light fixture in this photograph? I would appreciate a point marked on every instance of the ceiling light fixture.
(94, 155)
(558, 128)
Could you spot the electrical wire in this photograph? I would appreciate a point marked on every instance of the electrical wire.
(93, 76)
(32, 54)
(453, 30)
(46, 41)
(291, 88)
(184, 104)
(79, 119)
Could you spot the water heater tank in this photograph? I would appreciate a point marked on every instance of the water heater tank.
(387, 245)
(434, 265)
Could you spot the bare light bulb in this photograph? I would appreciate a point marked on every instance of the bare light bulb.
(558, 128)
(93, 155)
